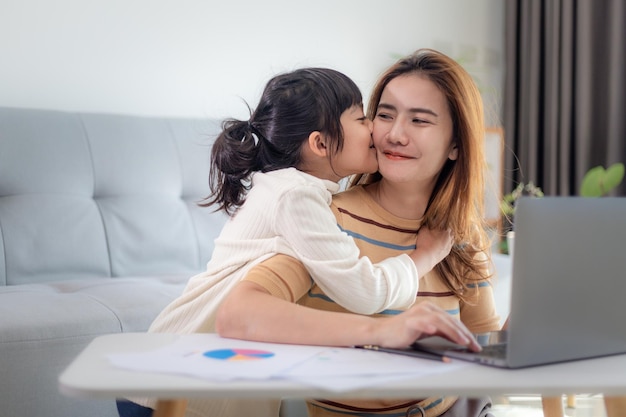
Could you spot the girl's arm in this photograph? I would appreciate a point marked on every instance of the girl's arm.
(310, 231)
(260, 308)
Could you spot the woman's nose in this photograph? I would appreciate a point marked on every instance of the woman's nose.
(397, 133)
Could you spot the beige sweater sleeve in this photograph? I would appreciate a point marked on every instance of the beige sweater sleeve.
(479, 312)
(282, 276)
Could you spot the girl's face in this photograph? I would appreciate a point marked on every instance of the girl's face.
(413, 131)
(358, 154)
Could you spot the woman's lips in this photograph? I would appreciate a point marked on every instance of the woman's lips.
(396, 156)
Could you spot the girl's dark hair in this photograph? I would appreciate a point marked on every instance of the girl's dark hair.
(292, 106)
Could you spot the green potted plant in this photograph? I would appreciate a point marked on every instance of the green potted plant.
(508, 201)
(599, 182)
(507, 205)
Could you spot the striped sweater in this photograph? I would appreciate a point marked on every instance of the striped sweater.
(379, 235)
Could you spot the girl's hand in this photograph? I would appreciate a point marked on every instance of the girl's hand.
(432, 246)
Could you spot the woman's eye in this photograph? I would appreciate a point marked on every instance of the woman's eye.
(420, 121)
(383, 116)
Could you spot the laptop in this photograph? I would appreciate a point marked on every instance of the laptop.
(568, 286)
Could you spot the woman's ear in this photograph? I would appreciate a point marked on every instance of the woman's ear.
(454, 152)
(317, 144)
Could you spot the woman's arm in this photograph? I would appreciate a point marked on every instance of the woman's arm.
(252, 312)
(479, 312)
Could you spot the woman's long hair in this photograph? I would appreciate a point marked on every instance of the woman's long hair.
(292, 106)
(457, 201)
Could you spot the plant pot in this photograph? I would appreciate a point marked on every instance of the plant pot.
(510, 242)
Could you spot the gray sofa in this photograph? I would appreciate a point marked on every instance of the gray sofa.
(99, 230)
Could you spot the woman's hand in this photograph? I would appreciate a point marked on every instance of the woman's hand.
(421, 320)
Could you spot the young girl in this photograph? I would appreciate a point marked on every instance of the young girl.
(275, 174)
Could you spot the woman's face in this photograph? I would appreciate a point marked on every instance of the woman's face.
(413, 131)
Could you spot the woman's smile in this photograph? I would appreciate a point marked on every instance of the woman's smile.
(396, 156)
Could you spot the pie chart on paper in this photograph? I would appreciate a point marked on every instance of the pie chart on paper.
(231, 355)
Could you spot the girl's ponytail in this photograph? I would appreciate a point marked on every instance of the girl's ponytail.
(233, 160)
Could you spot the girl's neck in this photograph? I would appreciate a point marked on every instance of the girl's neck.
(405, 200)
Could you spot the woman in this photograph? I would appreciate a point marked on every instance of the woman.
(428, 133)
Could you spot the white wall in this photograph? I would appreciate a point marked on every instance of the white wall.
(202, 57)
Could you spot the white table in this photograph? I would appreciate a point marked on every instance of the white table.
(91, 376)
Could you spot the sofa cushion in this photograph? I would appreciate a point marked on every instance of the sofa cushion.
(43, 327)
(97, 195)
(50, 237)
(67, 309)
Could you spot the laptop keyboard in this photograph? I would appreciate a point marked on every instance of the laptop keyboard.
(494, 351)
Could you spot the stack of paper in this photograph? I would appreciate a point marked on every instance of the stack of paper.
(210, 357)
